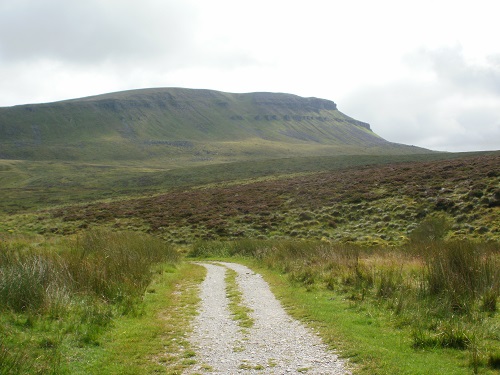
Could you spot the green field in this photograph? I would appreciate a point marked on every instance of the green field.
(390, 252)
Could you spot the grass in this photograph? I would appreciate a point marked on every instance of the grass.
(114, 267)
(155, 341)
(396, 264)
(239, 310)
(414, 309)
(363, 334)
(28, 185)
(371, 205)
(58, 297)
(389, 310)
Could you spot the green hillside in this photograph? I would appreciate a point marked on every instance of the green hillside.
(368, 199)
(174, 126)
(151, 140)
(27, 185)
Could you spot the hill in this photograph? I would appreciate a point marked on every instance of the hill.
(353, 202)
(26, 185)
(174, 126)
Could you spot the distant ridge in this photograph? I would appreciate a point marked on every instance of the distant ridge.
(188, 125)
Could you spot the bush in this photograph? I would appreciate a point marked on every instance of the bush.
(432, 228)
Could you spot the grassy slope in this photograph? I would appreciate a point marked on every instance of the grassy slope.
(27, 185)
(146, 141)
(188, 125)
(373, 205)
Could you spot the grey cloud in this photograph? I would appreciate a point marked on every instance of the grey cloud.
(459, 110)
(93, 31)
(401, 112)
(481, 128)
(451, 67)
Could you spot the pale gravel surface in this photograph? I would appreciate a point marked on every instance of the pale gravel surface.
(276, 344)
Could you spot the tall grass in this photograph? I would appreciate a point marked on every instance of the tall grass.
(30, 278)
(110, 266)
(461, 273)
(116, 265)
(74, 286)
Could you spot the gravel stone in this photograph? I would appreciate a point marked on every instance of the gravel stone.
(276, 344)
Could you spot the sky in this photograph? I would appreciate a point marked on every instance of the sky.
(423, 73)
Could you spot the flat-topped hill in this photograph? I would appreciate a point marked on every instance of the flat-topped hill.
(188, 125)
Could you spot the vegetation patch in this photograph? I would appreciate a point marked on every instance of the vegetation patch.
(371, 205)
(393, 259)
(60, 298)
(240, 312)
(416, 308)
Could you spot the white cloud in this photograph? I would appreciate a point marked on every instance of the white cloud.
(383, 62)
(92, 31)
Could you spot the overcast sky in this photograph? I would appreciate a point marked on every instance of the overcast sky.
(421, 72)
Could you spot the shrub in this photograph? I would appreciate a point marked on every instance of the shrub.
(432, 228)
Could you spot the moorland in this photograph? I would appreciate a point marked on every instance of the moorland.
(390, 251)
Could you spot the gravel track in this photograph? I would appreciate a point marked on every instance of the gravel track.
(276, 344)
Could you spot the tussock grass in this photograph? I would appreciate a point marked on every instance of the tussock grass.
(76, 287)
(111, 266)
(116, 265)
(462, 273)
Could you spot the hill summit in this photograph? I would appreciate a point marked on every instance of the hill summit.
(188, 125)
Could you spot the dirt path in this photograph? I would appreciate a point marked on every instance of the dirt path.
(276, 344)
